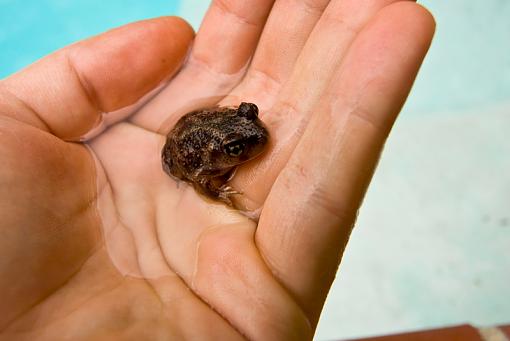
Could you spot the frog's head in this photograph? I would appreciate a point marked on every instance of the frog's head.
(247, 136)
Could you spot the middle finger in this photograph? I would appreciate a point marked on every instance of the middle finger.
(286, 32)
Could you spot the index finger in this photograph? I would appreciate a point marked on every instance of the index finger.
(67, 92)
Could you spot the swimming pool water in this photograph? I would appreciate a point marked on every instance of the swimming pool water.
(33, 28)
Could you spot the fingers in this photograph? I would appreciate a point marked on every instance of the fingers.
(287, 29)
(229, 33)
(312, 205)
(223, 48)
(66, 92)
(291, 108)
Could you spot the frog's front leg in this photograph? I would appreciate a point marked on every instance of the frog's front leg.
(216, 189)
(225, 192)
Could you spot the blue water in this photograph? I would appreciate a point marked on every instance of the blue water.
(31, 29)
(469, 63)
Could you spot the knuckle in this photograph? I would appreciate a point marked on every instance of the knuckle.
(228, 7)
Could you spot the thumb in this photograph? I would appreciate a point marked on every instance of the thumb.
(67, 92)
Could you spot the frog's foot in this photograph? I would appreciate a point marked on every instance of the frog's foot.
(215, 190)
(225, 192)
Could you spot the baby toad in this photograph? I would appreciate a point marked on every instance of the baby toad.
(205, 147)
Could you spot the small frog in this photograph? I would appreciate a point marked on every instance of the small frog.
(205, 147)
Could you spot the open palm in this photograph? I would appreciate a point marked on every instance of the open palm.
(98, 242)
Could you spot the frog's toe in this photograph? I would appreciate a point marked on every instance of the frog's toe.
(225, 193)
(228, 191)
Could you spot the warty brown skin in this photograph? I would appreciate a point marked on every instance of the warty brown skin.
(206, 146)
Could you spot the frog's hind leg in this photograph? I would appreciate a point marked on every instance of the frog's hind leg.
(172, 171)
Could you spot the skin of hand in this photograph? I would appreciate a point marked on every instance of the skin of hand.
(98, 243)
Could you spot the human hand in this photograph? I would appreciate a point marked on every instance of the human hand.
(98, 242)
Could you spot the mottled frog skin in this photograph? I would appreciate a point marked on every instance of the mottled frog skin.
(205, 147)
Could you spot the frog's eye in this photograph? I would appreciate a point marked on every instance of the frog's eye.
(235, 148)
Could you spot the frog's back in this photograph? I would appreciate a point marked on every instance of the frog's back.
(191, 140)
